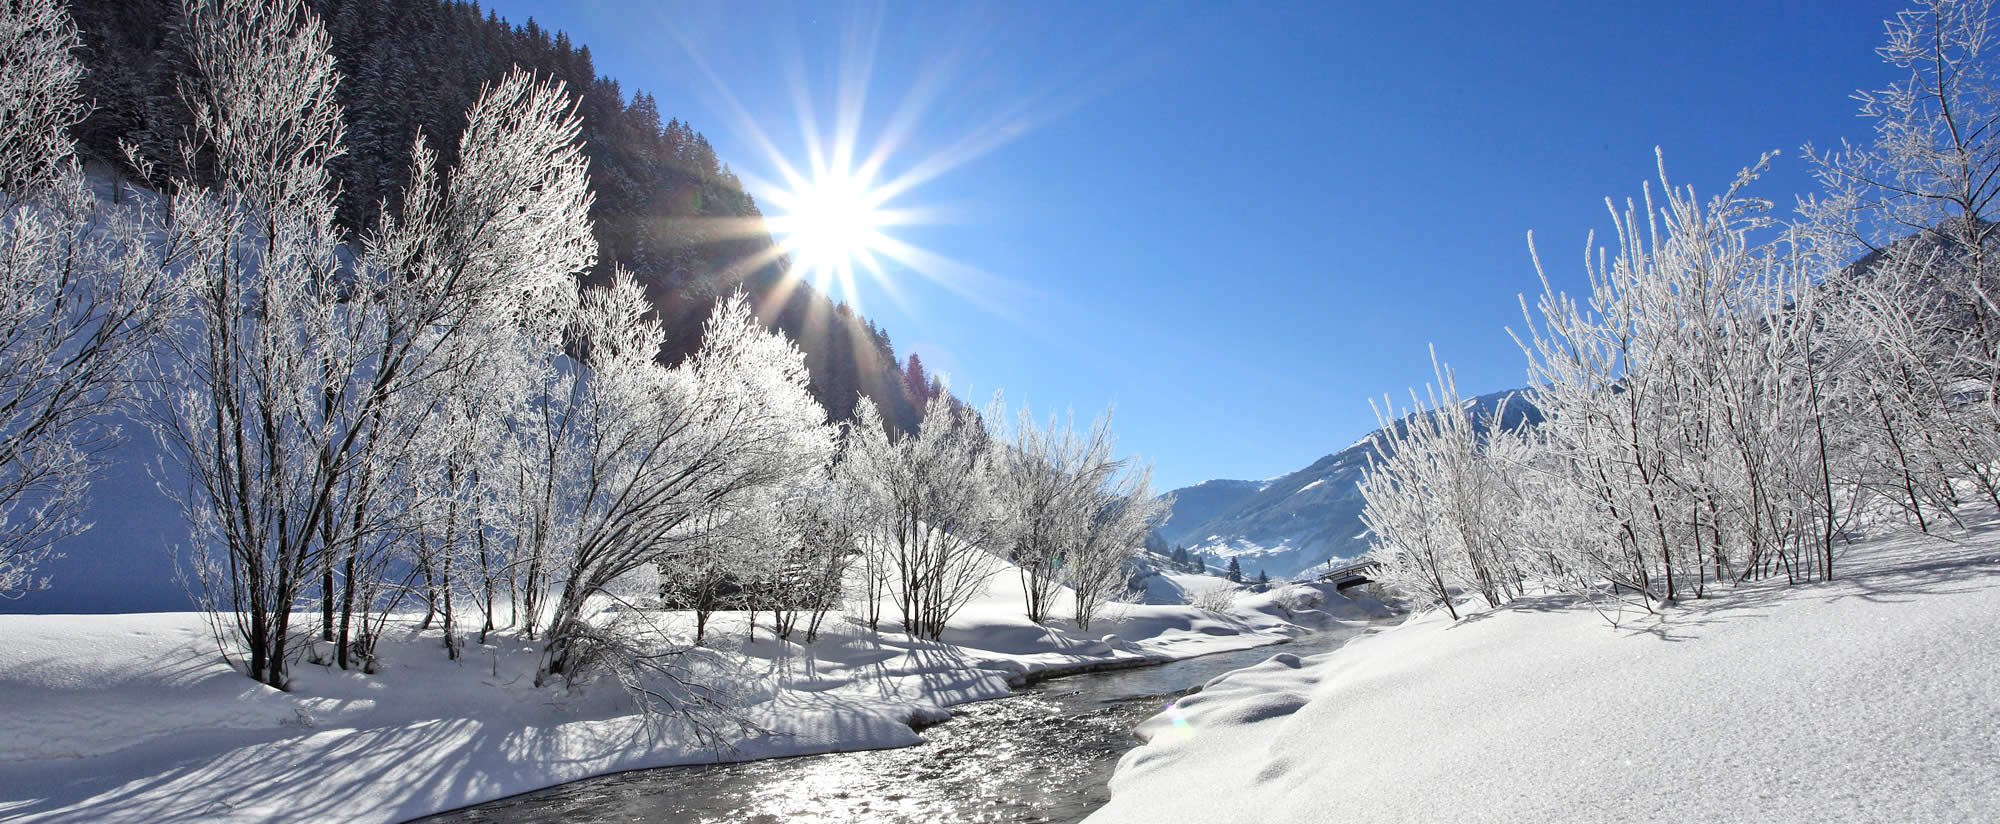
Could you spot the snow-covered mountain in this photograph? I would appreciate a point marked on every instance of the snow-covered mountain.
(1195, 505)
(1291, 524)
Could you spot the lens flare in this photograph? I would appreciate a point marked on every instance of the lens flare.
(1182, 729)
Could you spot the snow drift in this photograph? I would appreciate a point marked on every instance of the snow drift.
(1865, 699)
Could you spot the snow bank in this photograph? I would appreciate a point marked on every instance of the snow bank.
(133, 718)
(1871, 698)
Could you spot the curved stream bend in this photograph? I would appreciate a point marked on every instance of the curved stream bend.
(1043, 755)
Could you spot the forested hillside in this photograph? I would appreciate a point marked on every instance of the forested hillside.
(667, 208)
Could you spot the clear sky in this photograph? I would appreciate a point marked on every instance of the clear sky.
(1239, 222)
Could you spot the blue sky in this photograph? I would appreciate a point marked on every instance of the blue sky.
(1239, 223)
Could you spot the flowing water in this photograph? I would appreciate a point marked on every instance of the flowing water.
(1043, 755)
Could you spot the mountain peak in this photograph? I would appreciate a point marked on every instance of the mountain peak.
(1302, 520)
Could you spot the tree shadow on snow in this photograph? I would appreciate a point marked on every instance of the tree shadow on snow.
(1896, 570)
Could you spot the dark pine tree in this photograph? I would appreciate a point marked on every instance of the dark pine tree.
(1235, 571)
(915, 383)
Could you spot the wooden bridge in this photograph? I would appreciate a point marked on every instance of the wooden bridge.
(1352, 575)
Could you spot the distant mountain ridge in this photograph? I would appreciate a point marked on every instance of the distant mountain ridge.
(1289, 525)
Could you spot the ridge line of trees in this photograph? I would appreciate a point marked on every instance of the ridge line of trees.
(666, 208)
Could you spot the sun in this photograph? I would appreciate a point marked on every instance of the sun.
(831, 224)
(842, 201)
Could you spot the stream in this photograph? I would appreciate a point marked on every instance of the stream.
(1043, 755)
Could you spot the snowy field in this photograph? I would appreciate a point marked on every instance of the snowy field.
(1869, 698)
(132, 718)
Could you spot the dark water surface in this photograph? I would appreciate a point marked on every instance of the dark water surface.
(1043, 755)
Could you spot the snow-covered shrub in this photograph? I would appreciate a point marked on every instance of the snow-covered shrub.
(1119, 608)
(1921, 318)
(1295, 598)
(1685, 438)
(1730, 395)
(1217, 599)
(1435, 506)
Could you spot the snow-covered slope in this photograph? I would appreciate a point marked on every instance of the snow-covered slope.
(1291, 524)
(125, 561)
(1195, 505)
(1870, 698)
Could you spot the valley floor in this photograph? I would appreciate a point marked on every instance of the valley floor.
(134, 718)
(1869, 698)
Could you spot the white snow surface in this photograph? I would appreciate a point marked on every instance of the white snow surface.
(1870, 698)
(134, 718)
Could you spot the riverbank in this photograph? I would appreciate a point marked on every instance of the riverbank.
(1043, 754)
(134, 718)
(1868, 698)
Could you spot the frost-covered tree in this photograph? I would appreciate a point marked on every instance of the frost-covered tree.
(1073, 513)
(38, 86)
(866, 449)
(474, 503)
(934, 513)
(653, 463)
(1121, 512)
(1921, 311)
(1684, 397)
(299, 394)
(818, 537)
(1046, 481)
(82, 296)
(245, 385)
(1932, 170)
(473, 275)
